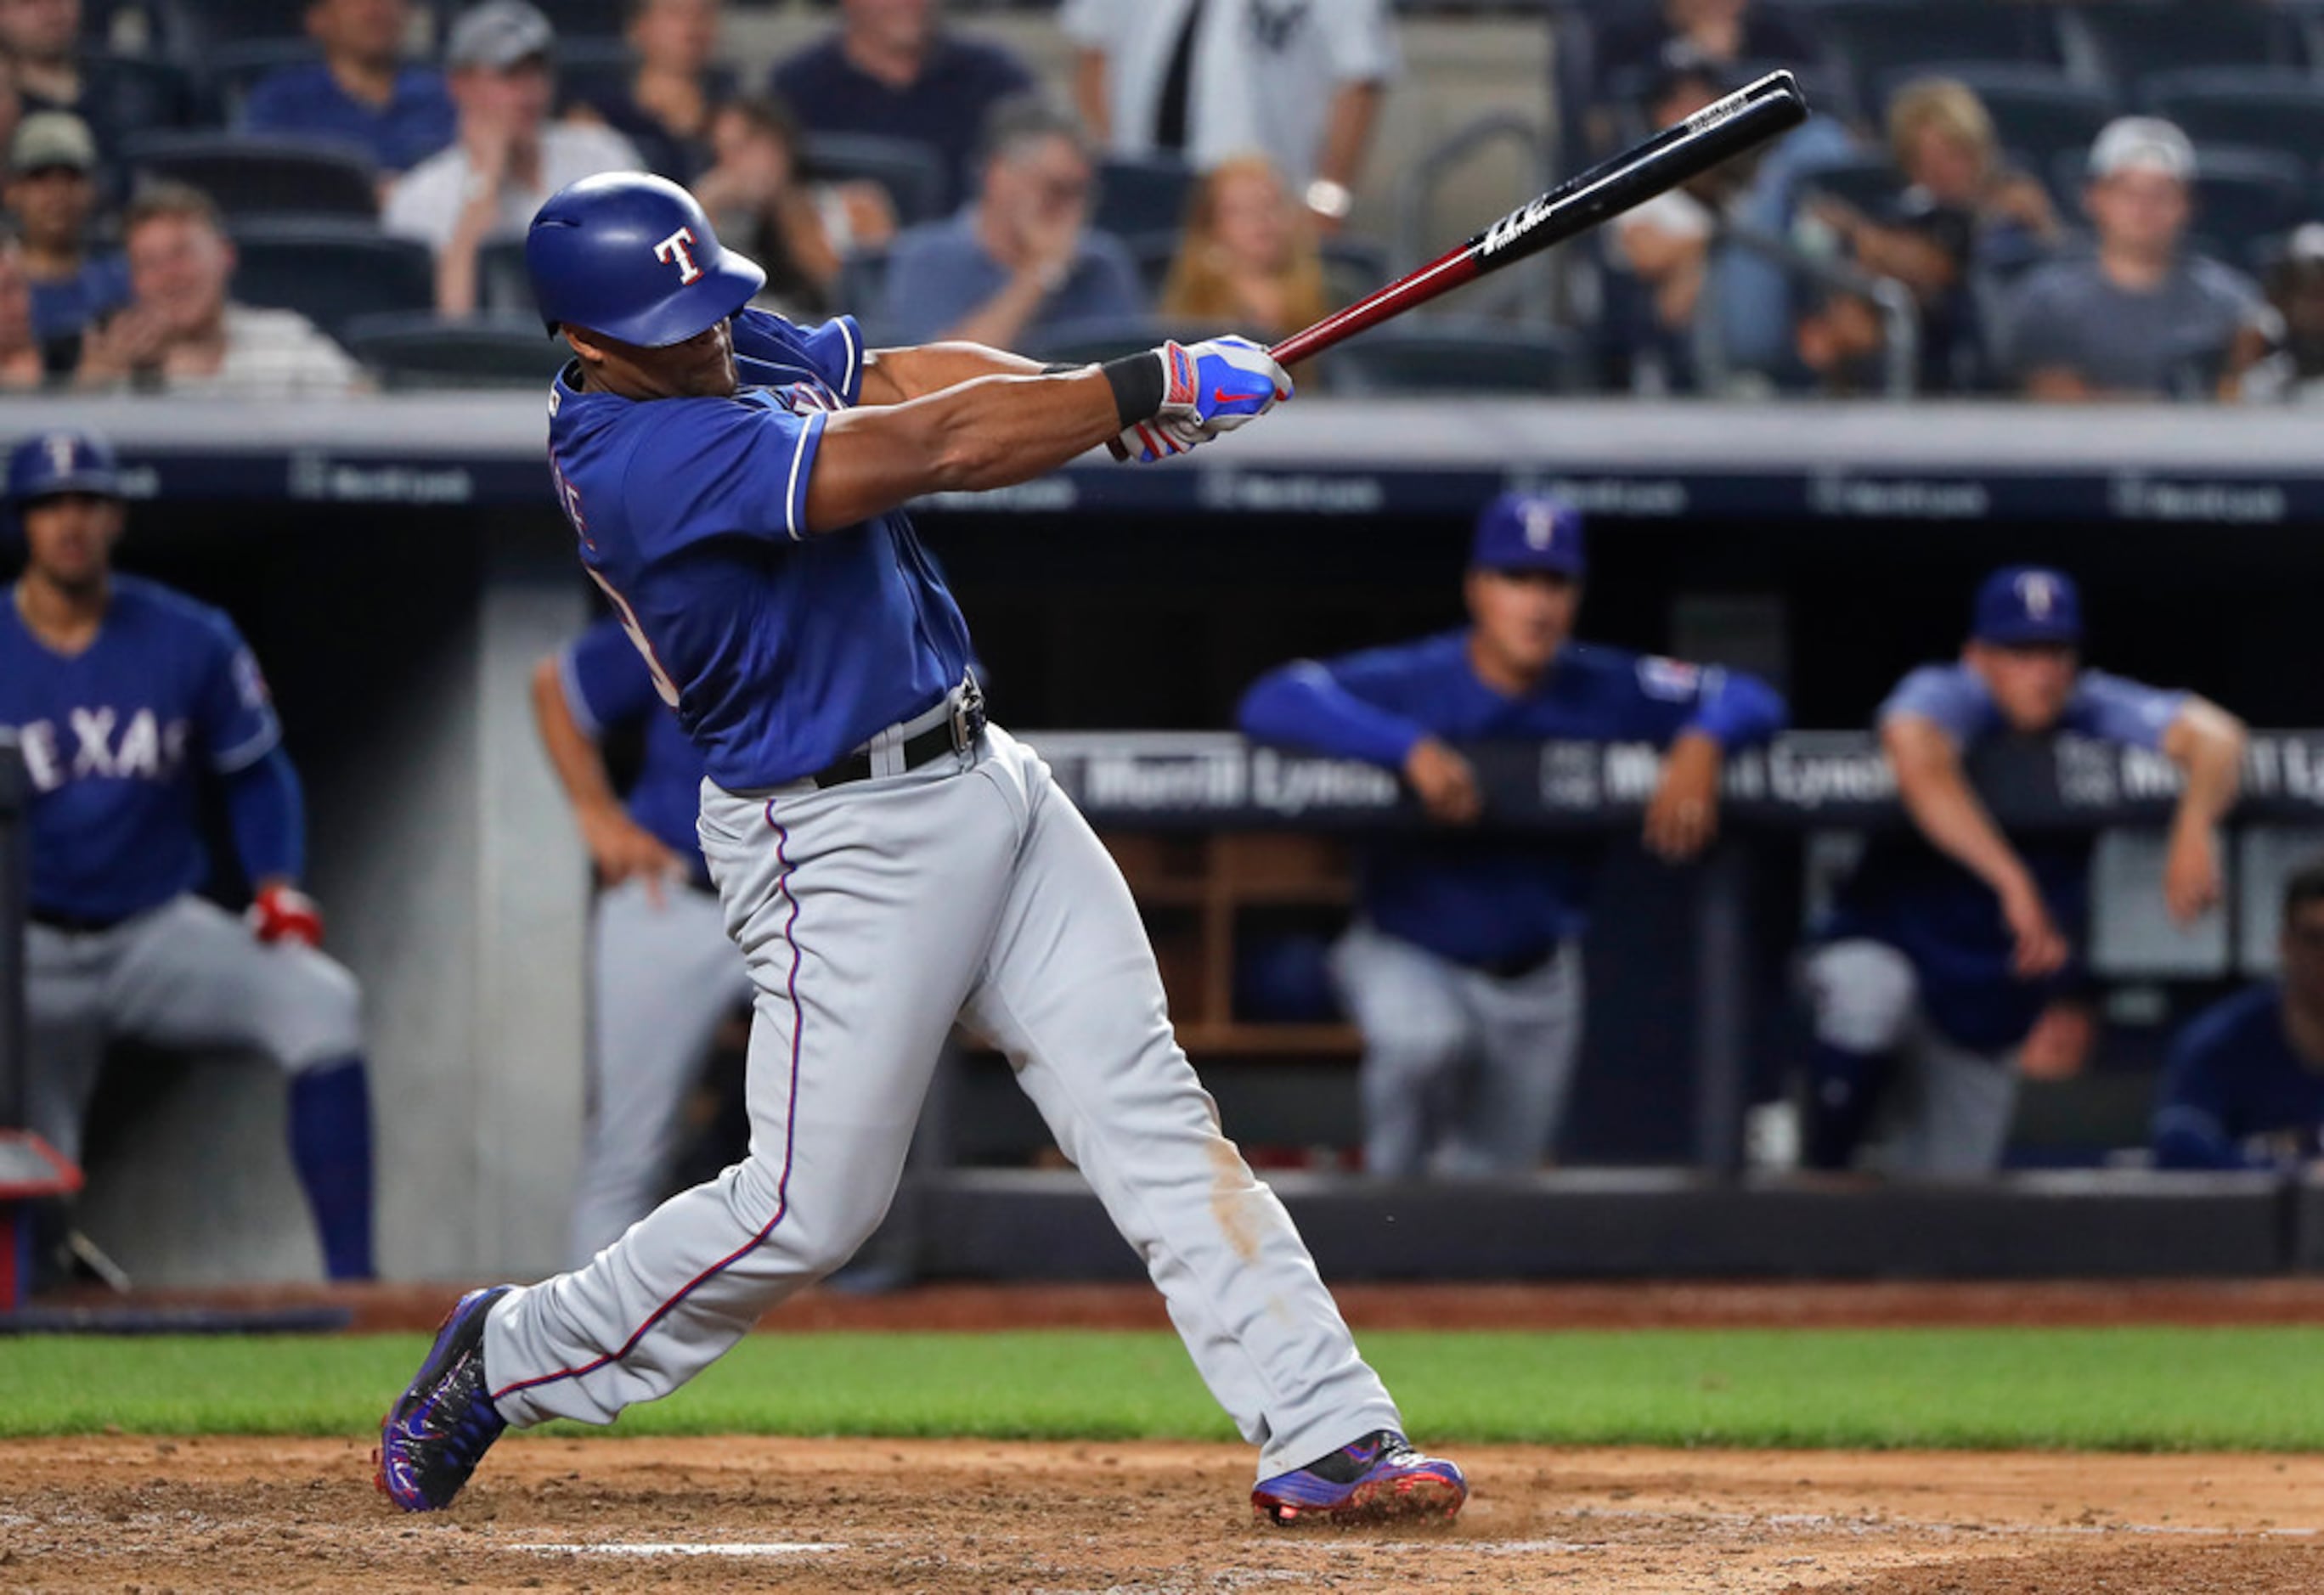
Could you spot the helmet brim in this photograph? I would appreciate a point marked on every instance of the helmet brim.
(724, 289)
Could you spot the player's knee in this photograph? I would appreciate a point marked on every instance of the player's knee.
(1414, 1046)
(313, 1014)
(1864, 994)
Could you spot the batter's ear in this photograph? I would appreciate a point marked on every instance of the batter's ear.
(590, 354)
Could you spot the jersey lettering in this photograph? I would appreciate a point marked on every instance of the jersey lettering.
(663, 684)
(674, 250)
(147, 749)
(568, 499)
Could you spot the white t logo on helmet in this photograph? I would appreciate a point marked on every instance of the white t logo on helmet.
(1540, 525)
(673, 250)
(2039, 592)
(59, 448)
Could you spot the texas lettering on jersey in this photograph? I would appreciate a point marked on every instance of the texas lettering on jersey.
(101, 743)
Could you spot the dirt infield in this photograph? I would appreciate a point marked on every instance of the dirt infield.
(615, 1516)
(1785, 1304)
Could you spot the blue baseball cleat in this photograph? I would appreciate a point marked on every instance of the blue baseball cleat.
(435, 1434)
(1379, 1478)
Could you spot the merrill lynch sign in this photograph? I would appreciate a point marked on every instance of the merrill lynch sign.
(1809, 778)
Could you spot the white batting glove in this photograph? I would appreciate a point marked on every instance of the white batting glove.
(1208, 389)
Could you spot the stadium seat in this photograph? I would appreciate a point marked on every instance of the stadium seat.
(233, 22)
(2126, 42)
(234, 69)
(1139, 196)
(503, 286)
(2038, 112)
(142, 92)
(2256, 109)
(331, 273)
(422, 351)
(253, 177)
(911, 172)
(1460, 357)
(1876, 40)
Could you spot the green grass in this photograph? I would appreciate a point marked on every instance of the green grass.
(2096, 1388)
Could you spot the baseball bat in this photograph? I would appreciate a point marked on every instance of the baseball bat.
(1743, 121)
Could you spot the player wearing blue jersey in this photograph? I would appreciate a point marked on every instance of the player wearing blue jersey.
(1950, 965)
(889, 863)
(2245, 1088)
(662, 972)
(122, 695)
(1464, 968)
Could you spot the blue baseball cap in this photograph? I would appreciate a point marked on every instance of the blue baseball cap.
(2023, 605)
(1530, 531)
(51, 463)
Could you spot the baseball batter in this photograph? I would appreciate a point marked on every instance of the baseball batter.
(887, 861)
(1464, 968)
(1950, 963)
(662, 972)
(122, 694)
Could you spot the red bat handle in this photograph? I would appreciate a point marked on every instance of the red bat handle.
(1447, 271)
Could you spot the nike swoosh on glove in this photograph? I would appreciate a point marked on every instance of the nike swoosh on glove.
(1208, 389)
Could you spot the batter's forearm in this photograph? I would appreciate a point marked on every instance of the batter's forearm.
(896, 376)
(995, 431)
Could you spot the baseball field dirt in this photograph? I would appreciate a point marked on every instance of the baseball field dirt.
(122, 1513)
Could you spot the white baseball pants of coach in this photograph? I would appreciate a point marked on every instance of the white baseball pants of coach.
(872, 916)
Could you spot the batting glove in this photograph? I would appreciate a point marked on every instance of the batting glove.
(281, 913)
(1208, 389)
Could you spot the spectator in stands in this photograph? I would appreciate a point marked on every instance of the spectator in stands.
(1948, 968)
(1465, 955)
(508, 159)
(1022, 261)
(181, 333)
(799, 232)
(1209, 79)
(51, 198)
(2245, 1088)
(2295, 288)
(363, 93)
(1247, 261)
(1842, 342)
(671, 102)
(26, 361)
(1667, 246)
(43, 52)
(2142, 318)
(1636, 49)
(893, 71)
(1965, 211)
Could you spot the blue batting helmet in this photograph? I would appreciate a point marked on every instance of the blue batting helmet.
(633, 257)
(50, 462)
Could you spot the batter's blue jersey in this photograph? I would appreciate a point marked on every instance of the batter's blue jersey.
(2236, 1095)
(781, 654)
(1945, 919)
(606, 684)
(115, 738)
(1482, 899)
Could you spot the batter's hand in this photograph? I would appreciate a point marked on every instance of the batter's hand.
(2040, 948)
(622, 849)
(280, 912)
(1446, 781)
(2191, 886)
(1208, 389)
(1683, 816)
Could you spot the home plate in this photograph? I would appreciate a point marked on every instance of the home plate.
(687, 1548)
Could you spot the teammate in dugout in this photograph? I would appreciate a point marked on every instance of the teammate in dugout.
(662, 972)
(1948, 966)
(1464, 968)
(2245, 1088)
(120, 693)
(888, 861)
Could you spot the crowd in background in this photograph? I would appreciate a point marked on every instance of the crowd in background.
(1981, 206)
